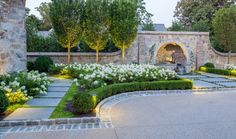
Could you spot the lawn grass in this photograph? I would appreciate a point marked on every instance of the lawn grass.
(60, 111)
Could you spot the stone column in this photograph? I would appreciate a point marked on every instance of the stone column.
(12, 36)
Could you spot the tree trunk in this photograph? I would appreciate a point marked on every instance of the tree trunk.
(229, 55)
(123, 55)
(97, 52)
(68, 55)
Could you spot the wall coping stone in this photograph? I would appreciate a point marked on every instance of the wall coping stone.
(173, 33)
(222, 54)
(72, 54)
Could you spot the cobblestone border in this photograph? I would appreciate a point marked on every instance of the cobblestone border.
(59, 127)
(48, 122)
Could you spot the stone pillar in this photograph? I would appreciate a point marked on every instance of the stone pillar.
(12, 36)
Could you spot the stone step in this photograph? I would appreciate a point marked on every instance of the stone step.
(43, 102)
(30, 113)
(54, 84)
(53, 95)
(57, 89)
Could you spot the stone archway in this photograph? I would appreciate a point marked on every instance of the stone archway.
(12, 36)
(171, 54)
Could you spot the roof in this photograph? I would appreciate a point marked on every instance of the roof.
(158, 27)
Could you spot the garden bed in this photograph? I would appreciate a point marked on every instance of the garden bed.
(18, 88)
(94, 82)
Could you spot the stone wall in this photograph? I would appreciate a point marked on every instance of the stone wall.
(12, 36)
(196, 51)
(104, 58)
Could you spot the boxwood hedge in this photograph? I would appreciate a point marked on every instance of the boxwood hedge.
(218, 71)
(97, 95)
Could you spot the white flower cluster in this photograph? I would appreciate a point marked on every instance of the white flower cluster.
(230, 67)
(22, 86)
(95, 75)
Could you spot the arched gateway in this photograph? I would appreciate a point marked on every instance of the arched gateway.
(170, 49)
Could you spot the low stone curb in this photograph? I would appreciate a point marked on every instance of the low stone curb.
(49, 122)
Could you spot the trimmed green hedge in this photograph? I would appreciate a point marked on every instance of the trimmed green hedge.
(99, 94)
(218, 71)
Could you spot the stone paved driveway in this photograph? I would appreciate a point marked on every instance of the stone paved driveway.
(173, 116)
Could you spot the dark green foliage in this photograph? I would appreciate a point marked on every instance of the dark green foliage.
(83, 103)
(43, 63)
(3, 102)
(101, 93)
(110, 47)
(176, 26)
(190, 12)
(209, 65)
(46, 44)
(30, 66)
(218, 71)
(201, 26)
(55, 69)
(224, 25)
(43, 9)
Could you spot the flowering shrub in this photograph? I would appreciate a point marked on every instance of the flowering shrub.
(22, 86)
(95, 75)
(17, 97)
(230, 67)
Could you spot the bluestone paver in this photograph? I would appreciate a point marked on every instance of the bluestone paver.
(30, 113)
(57, 89)
(202, 84)
(44, 102)
(212, 75)
(228, 84)
(193, 76)
(216, 80)
(53, 95)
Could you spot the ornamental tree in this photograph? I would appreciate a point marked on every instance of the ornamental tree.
(124, 24)
(67, 18)
(43, 9)
(97, 24)
(224, 25)
(190, 12)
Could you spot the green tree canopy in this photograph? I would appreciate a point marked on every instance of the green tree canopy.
(142, 13)
(201, 26)
(97, 24)
(190, 12)
(148, 24)
(176, 26)
(224, 25)
(67, 17)
(124, 23)
(43, 9)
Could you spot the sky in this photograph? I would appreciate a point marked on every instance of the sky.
(163, 10)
